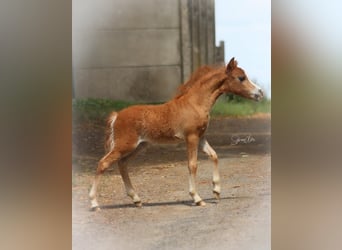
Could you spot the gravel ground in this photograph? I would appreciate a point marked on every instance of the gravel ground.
(168, 218)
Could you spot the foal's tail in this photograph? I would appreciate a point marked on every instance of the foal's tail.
(109, 141)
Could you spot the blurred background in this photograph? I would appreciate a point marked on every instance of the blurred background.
(142, 50)
(36, 91)
(126, 52)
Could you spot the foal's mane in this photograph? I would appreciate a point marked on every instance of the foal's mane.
(184, 88)
(194, 78)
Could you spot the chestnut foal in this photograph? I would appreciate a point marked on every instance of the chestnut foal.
(184, 118)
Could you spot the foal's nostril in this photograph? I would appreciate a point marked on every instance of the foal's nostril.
(261, 93)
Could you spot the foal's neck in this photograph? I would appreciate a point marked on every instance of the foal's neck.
(205, 94)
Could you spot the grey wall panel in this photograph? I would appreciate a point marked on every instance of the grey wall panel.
(146, 84)
(125, 14)
(139, 50)
(127, 48)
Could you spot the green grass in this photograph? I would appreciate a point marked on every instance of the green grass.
(98, 109)
(95, 109)
(240, 108)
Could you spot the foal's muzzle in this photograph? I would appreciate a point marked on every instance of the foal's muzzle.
(258, 96)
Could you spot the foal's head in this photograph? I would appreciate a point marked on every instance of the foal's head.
(238, 83)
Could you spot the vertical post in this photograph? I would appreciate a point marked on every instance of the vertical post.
(195, 34)
(210, 32)
(219, 54)
(203, 39)
(185, 38)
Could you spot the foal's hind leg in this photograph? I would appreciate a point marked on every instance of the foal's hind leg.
(103, 164)
(206, 148)
(125, 177)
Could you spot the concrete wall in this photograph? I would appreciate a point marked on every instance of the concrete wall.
(139, 50)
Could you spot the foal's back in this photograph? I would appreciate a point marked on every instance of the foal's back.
(151, 123)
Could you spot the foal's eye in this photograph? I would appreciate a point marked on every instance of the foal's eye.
(242, 78)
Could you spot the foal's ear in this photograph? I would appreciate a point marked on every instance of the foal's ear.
(231, 65)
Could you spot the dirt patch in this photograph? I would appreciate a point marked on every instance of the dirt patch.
(168, 219)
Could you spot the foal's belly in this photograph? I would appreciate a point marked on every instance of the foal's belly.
(165, 140)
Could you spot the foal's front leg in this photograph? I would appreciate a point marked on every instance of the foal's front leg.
(216, 175)
(192, 146)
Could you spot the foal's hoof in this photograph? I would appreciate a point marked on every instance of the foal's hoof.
(200, 203)
(95, 209)
(216, 195)
(138, 204)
